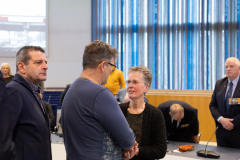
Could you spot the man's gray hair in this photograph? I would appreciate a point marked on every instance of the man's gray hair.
(23, 56)
(174, 108)
(96, 52)
(235, 59)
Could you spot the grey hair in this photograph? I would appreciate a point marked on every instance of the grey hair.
(96, 52)
(174, 108)
(235, 59)
(9, 71)
(23, 56)
(147, 75)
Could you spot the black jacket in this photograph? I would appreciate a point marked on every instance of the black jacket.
(181, 133)
(30, 125)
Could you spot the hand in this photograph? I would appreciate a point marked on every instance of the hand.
(227, 123)
(196, 139)
(128, 154)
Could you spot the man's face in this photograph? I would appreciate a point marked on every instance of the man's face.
(36, 69)
(232, 69)
(178, 116)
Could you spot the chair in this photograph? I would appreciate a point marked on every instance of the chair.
(52, 97)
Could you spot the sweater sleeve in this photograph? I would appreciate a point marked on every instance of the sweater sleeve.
(109, 114)
(158, 139)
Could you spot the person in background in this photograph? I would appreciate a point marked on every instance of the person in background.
(49, 110)
(227, 116)
(181, 121)
(92, 122)
(62, 98)
(30, 122)
(6, 144)
(146, 121)
(64, 93)
(115, 80)
(7, 72)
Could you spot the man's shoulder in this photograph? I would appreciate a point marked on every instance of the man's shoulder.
(85, 86)
(14, 85)
(221, 81)
(164, 106)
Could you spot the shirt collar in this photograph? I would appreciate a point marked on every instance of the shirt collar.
(34, 87)
(235, 81)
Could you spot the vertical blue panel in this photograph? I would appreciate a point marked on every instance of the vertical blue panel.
(178, 40)
(237, 29)
(122, 4)
(189, 57)
(226, 29)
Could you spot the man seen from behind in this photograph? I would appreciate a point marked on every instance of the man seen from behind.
(93, 125)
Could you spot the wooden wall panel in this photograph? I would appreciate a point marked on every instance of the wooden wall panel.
(206, 121)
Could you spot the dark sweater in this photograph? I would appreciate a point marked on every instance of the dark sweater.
(154, 140)
(7, 80)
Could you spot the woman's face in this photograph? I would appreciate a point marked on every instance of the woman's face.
(5, 69)
(136, 86)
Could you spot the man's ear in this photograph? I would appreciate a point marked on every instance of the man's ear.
(101, 66)
(170, 114)
(21, 67)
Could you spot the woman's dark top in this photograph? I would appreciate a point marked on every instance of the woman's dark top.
(153, 140)
(7, 80)
(135, 123)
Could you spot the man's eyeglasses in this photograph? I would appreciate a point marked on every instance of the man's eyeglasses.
(113, 66)
(134, 82)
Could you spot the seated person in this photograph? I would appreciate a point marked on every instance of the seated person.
(7, 72)
(146, 121)
(181, 121)
(49, 111)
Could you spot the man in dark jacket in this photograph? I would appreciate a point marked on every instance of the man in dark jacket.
(30, 122)
(181, 121)
(227, 116)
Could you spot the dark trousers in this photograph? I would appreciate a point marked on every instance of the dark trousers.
(231, 140)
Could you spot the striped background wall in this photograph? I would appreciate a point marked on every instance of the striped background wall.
(183, 42)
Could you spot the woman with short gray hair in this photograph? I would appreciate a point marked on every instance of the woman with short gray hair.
(146, 121)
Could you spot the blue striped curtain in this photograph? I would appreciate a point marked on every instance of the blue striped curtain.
(183, 42)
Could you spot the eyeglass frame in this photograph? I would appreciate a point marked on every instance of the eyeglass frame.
(133, 82)
(111, 64)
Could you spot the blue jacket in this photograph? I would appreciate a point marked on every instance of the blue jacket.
(30, 126)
